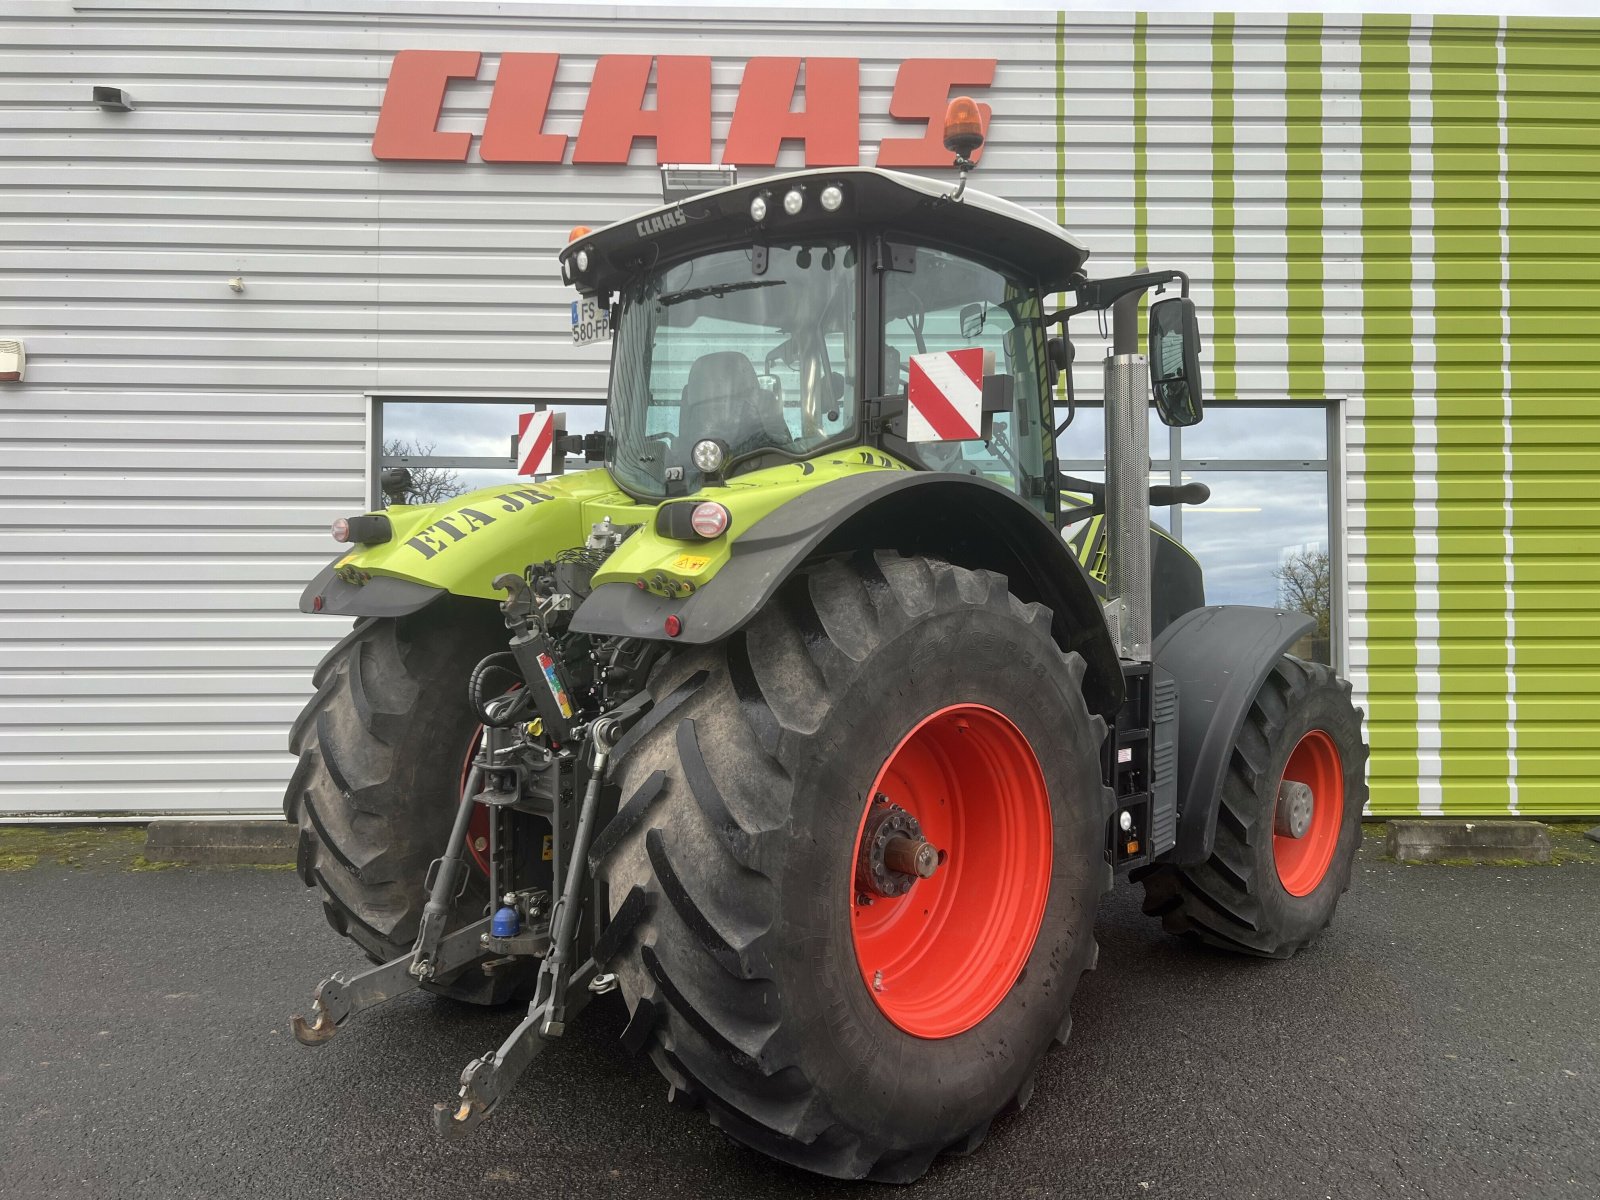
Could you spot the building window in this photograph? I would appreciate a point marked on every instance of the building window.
(1267, 535)
(456, 444)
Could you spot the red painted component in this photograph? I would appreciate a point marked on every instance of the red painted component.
(942, 957)
(478, 825)
(709, 520)
(829, 125)
(514, 129)
(410, 114)
(1303, 862)
(615, 115)
(673, 625)
(945, 392)
(921, 90)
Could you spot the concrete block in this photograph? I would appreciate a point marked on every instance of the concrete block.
(1593, 834)
(1468, 841)
(221, 843)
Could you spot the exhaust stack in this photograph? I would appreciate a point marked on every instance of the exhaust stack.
(1127, 414)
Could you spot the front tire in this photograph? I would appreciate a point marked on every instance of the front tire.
(732, 864)
(1261, 891)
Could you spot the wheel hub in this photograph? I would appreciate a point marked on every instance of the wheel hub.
(951, 870)
(894, 854)
(1296, 803)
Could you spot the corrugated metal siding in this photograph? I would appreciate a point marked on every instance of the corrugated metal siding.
(175, 454)
(1386, 210)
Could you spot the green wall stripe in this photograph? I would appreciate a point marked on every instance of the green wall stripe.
(1303, 67)
(1388, 384)
(1472, 603)
(1553, 108)
(1223, 351)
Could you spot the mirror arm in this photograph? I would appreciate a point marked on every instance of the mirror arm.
(1095, 295)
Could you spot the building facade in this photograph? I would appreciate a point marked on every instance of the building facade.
(324, 234)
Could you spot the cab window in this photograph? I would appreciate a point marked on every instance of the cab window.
(944, 302)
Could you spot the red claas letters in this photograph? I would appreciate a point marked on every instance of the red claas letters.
(827, 122)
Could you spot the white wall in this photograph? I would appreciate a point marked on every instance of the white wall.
(173, 458)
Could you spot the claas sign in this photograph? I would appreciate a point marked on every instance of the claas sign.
(615, 113)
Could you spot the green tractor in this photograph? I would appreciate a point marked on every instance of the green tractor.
(817, 719)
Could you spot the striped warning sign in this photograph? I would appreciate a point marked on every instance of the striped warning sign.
(536, 440)
(945, 396)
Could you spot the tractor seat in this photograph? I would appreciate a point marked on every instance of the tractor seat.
(723, 399)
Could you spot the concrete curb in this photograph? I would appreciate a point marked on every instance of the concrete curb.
(1436, 841)
(221, 843)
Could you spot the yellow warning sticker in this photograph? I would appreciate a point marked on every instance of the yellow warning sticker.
(691, 562)
(546, 855)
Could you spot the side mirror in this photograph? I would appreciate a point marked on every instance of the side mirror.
(1175, 382)
(972, 319)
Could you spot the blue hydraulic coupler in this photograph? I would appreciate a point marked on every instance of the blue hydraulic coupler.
(505, 923)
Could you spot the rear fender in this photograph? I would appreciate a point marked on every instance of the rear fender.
(458, 546)
(1219, 656)
(968, 521)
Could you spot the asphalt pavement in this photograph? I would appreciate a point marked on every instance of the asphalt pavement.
(1442, 1039)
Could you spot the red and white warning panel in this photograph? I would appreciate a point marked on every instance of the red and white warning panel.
(944, 397)
(536, 442)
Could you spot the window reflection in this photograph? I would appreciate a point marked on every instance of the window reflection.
(1263, 539)
(1265, 536)
(434, 436)
(1285, 431)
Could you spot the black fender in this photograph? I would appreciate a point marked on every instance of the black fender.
(965, 520)
(1219, 656)
(379, 596)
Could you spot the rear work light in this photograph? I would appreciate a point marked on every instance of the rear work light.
(692, 521)
(371, 530)
(709, 520)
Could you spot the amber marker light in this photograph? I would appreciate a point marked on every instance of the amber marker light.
(963, 126)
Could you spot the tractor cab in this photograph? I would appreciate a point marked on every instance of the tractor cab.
(776, 320)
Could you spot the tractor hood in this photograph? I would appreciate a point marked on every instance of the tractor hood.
(600, 261)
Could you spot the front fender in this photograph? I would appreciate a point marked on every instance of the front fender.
(965, 520)
(1219, 656)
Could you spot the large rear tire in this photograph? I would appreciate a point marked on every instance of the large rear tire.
(381, 746)
(1262, 892)
(763, 988)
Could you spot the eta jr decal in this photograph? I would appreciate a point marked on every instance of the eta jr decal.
(464, 522)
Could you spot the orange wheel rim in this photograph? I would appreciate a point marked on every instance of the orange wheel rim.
(940, 957)
(1303, 862)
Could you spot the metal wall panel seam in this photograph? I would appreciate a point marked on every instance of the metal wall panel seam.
(1344, 337)
(1508, 503)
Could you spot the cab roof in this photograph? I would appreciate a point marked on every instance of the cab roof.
(889, 200)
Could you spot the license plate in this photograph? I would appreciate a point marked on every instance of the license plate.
(589, 322)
